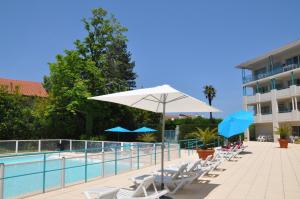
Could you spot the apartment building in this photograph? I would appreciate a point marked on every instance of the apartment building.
(271, 89)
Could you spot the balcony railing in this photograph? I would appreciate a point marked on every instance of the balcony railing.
(282, 69)
(284, 110)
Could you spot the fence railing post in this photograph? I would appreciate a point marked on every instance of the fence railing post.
(154, 154)
(103, 162)
(169, 152)
(130, 156)
(44, 173)
(188, 145)
(138, 156)
(116, 160)
(122, 146)
(179, 151)
(85, 145)
(17, 146)
(70, 145)
(85, 165)
(63, 172)
(102, 146)
(39, 148)
(2, 180)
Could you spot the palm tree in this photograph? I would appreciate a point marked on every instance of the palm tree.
(210, 93)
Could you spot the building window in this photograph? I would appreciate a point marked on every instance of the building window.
(296, 130)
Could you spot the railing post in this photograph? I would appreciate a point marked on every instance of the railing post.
(179, 151)
(188, 145)
(63, 172)
(85, 165)
(122, 146)
(130, 156)
(39, 148)
(85, 145)
(102, 145)
(2, 180)
(70, 145)
(169, 152)
(103, 162)
(116, 161)
(17, 146)
(44, 173)
(138, 156)
(154, 154)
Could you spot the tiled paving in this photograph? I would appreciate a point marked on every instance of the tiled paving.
(264, 171)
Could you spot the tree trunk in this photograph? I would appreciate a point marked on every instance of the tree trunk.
(210, 113)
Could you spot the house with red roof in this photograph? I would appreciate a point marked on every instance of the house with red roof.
(26, 88)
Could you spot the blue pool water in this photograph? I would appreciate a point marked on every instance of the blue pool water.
(28, 184)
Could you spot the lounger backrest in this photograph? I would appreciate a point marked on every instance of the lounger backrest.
(141, 190)
(181, 170)
(195, 165)
(208, 158)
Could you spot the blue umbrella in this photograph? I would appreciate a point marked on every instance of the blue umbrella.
(144, 130)
(118, 130)
(235, 123)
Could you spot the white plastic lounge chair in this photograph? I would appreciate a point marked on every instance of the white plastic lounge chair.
(175, 184)
(214, 161)
(193, 167)
(173, 179)
(102, 193)
(141, 192)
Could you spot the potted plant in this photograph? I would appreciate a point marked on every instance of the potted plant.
(283, 132)
(207, 136)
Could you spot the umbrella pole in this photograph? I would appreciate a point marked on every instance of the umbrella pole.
(163, 140)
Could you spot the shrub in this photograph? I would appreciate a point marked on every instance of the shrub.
(207, 136)
(147, 137)
(284, 131)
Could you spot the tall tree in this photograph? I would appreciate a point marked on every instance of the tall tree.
(100, 64)
(210, 93)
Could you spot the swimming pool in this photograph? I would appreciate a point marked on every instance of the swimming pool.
(24, 175)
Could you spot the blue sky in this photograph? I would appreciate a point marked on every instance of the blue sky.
(186, 44)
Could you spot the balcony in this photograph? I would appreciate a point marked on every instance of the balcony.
(282, 69)
(285, 116)
(265, 97)
(283, 93)
(263, 118)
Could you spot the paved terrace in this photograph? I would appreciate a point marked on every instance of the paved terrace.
(264, 171)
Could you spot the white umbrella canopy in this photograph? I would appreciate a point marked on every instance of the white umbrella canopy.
(161, 99)
(152, 99)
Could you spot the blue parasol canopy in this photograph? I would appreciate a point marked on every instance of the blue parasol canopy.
(118, 129)
(144, 130)
(235, 123)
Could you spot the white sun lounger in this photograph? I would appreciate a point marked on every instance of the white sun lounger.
(174, 179)
(141, 192)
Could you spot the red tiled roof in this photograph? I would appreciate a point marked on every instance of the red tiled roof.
(26, 88)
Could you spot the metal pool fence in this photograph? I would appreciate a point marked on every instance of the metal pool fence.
(24, 174)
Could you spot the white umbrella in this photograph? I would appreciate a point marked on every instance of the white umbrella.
(161, 99)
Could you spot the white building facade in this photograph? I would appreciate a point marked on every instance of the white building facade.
(271, 89)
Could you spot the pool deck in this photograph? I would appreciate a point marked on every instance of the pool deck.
(263, 171)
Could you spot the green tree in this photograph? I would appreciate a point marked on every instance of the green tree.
(99, 64)
(210, 93)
